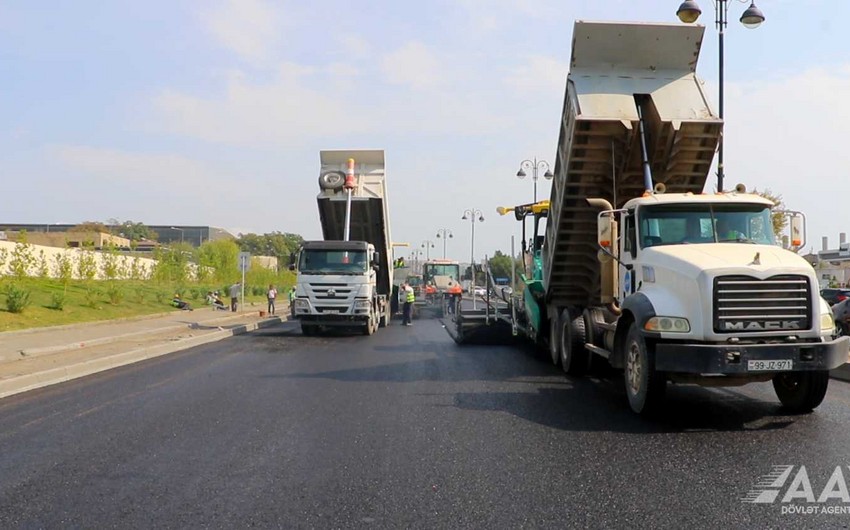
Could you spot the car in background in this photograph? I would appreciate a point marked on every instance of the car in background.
(480, 291)
(841, 314)
(833, 296)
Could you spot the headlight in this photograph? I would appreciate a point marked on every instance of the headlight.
(362, 304)
(668, 324)
(827, 325)
(302, 303)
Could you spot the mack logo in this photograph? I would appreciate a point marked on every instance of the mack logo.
(767, 325)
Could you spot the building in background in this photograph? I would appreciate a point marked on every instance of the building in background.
(166, 234)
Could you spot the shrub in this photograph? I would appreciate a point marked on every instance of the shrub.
(22, 259)
(86, 265)
(17, 298)
(64, 267)
(42, 267)
(140, 295)
(115, 293)
(92, 294)
(57, 301)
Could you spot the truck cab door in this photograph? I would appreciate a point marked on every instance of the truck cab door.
(628, 255)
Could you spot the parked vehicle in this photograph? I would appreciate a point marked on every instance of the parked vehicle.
(833, 296)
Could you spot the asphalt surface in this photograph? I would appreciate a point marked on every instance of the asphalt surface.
(401, 429)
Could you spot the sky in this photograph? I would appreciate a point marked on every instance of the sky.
(213, 112)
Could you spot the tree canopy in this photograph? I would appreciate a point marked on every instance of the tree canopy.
(277, 244)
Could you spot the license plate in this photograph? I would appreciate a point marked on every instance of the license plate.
(770, 366)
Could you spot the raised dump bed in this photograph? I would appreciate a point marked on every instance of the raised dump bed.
(615, 68)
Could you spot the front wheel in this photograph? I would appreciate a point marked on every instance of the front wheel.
(645, 387)
(801, 392)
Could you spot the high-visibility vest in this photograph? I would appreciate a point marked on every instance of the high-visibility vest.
(411, 297)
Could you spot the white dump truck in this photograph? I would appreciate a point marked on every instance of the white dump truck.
(637, 265)
(346, 279)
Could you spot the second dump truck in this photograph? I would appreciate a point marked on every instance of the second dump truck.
(637, 265)
(346, 279)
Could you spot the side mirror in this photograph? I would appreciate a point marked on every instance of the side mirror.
(796, 238)
(605, 231)
(798, 231)
(292, 266)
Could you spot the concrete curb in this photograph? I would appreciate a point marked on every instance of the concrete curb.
(93, 323)
(34, 352)
(24, 383)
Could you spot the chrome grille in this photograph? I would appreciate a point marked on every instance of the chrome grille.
(743, 304)
(331, 291)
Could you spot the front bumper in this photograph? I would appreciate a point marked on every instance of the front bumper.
(732, 358)
(333, 319)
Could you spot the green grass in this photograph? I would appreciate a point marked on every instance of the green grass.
(97, 300)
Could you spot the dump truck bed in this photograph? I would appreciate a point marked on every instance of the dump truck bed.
(369, 212)
(613, 68)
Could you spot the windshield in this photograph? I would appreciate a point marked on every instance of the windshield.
(441, 269)
(709, 223)
(332, 262)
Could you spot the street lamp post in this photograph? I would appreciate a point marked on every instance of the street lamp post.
(415, 254)
(473, 215)
(181, 232)
(427, 245)
(752, 18)
(444, 233)
(533, 165)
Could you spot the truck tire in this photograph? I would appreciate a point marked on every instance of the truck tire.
(593, 317)
(645, 387)
(555, 340)
(573, 355)
(801, 392)
(370, 327)
(331, 180)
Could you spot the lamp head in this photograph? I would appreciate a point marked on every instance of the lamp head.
(689, 11)
(752, 17)
(548, 175)
(520, 173)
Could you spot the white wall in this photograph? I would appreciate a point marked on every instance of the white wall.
(125, 264)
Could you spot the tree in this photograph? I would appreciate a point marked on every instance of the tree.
(218, 260)
(277, 244)
(135, 231)
(90, 226)
(500, 265)
(778, 219)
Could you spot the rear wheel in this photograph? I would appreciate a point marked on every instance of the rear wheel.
(573, 355)
(645, 387)
(800, 392)
(555, 340)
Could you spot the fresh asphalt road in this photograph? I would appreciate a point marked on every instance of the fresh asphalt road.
(401, 429)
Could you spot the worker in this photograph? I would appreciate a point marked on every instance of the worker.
(726, 231)
(409, 298)
(292, 301)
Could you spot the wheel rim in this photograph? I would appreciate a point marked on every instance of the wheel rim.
(633, 368)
